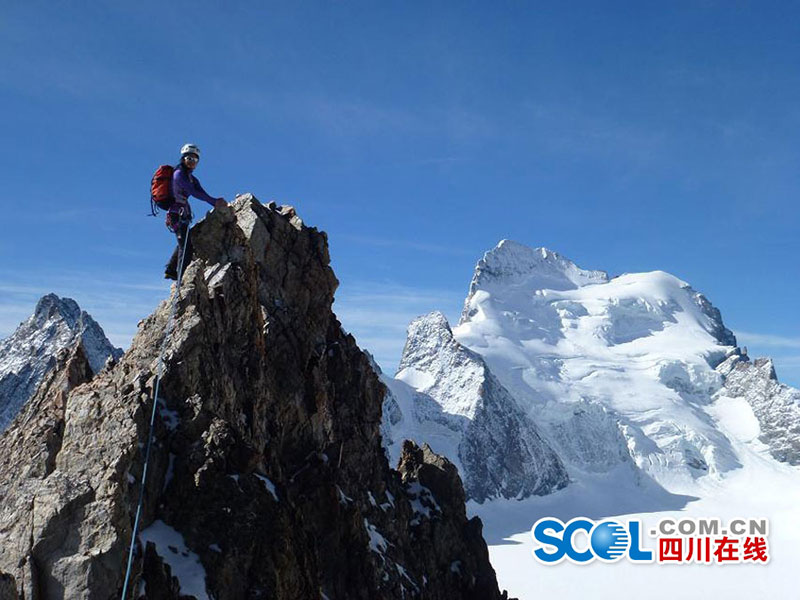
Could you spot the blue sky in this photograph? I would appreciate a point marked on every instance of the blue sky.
(628, 136)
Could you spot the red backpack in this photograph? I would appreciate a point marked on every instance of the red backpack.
(161, 189)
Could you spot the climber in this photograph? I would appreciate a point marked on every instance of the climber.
(179, 215)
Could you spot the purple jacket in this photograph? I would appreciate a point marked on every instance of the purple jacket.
(184, 184)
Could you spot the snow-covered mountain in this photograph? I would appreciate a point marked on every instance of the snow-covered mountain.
(28, 354)
(609, 373)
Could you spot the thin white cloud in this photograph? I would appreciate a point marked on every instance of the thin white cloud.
(358, 317)
(383, 292)
(791, 361)
(60, 75)
(561, 128)
(346, 117)
(353, 117)
(22, 289)
(766, 339)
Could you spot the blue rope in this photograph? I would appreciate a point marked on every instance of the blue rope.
(159, 372)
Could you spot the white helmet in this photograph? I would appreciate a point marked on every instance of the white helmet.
(190, 149)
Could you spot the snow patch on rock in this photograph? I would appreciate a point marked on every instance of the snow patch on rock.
(184, 564)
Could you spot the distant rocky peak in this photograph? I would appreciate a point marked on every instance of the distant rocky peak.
(50, 306)
(70, 325)
(432, 328)
(428, 337)
(766, 368)
(29, 354)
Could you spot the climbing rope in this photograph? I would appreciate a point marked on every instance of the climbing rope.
(159, 372)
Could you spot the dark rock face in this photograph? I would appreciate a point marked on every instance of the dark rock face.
(715, 326)
(267, 478)
(8, 591)
(38, 504)
(437, 492)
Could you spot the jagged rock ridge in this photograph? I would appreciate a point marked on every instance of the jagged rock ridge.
(775, 405)
(267, 478)
(29, 354)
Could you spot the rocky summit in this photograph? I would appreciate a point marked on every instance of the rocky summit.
(267, 478)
